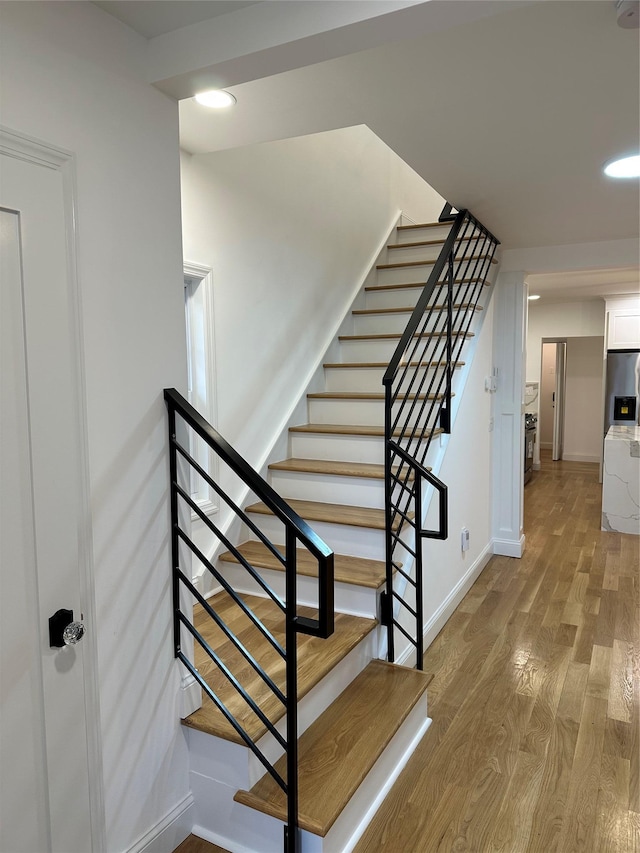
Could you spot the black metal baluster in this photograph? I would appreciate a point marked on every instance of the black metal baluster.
(175, 541)
(291, 830)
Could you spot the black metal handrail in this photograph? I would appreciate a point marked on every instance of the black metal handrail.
(418, 393)
(297, 531)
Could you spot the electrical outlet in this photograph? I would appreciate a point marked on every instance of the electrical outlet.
(464, 539)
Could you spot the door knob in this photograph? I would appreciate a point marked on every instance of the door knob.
(73, 633)
(63, 631)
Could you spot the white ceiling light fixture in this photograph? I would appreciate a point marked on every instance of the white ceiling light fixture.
(215, 99)
(623, 167)
(534, 296)
(628, 14)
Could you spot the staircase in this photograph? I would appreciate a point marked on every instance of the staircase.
(359, 478)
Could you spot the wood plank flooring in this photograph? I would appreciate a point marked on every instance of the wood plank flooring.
(535, 742)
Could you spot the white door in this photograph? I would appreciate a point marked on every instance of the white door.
(45, 800)
(558, 401)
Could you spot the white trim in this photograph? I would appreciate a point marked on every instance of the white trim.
(190, 695)
(220, 840)
(204, 275)
(509, 547)
(169, 832)
(29, 149)
(389, 782)
(577, 457)
(436, 623)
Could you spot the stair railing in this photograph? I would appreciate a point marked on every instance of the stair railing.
(297, 531)
(418, 393)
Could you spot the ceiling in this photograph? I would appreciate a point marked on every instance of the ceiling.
(509, 109)
(150, 18)
(584, 284)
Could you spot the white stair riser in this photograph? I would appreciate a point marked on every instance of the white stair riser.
(414, 235)
(414, 253)
(366, 412)
(341, 538)
(361, 378)
(318, 446)
(416, 272)
(407, 297)
(354, 379)
(397, 298)
(349, 598)
(229, 824)
(354, 491)
(382, 349)
(368, 350)
(342, 448)
(401, 275)
(380, 324)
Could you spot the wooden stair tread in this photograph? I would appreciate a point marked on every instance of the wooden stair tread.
(367, 312)
(326, 466)
(369, 470)
(357, 516)
(373, 287)
(347, 429)
(394, 337)
(402, 264)
(358, 571)
(383, 364)
(339, 749)
(316, 658)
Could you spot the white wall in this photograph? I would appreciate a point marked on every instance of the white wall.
(71, 77)
(583, 400)
(560, 320)
(290, 230)
(466, 470)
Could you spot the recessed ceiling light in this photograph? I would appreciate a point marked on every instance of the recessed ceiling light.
(534, 296)
(624, 167)
(216, 99)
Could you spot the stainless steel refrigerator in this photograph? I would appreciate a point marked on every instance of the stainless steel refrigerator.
(622, 391)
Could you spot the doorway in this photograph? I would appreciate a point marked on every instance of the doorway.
(574, 406)
(552, 397)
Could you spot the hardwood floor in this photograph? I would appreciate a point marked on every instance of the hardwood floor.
(535, 700)
(193, 844)
(535, 741)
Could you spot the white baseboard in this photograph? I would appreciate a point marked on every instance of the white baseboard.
(577, 457)
(437, 622)
(509, 547)
(170, 832)
(219, 840)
